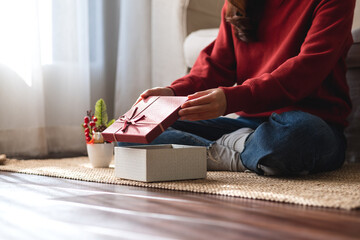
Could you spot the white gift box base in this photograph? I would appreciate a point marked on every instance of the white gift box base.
(154, 163)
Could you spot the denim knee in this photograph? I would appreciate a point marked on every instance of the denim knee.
(293, 143)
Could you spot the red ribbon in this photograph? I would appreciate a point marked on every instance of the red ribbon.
(130, 121)
(134, 121)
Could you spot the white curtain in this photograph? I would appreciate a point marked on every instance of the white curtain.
(57, 57)
(134, 65)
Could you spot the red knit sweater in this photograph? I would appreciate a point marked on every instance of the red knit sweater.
(297, 64)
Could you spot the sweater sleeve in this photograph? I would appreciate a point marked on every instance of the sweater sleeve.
(299, 76)
(214, 67)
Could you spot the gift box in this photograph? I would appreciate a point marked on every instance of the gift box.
(154, 163)
(145, 121)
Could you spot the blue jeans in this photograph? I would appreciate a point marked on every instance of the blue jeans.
(290, 143)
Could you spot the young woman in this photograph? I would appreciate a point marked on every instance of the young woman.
(280, 65)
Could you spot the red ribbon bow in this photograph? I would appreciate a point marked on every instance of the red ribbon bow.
(130, 121)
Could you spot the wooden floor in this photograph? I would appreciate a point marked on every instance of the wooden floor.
(35, 207)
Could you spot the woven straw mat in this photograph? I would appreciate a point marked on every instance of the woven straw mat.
(337, 189)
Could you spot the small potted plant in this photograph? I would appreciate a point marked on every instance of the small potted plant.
(100, 152)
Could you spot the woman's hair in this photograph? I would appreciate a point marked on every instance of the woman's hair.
(245, 15)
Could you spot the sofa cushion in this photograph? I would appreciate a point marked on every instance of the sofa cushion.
(203, 14)
(353, 77)
(353, 58)
(197, 41)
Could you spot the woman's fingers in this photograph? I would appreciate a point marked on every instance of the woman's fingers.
(195, 109)
(159, 91)
(149, 92)
(197, 113)
(204, 105)
(199, 98)
(199, 94)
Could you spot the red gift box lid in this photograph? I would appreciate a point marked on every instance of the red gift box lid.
(146, 120)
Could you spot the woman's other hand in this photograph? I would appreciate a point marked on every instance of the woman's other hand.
(204, 105)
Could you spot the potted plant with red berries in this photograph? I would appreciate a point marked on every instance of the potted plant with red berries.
(100, 152)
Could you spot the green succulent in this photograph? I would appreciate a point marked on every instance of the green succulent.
(101, 114)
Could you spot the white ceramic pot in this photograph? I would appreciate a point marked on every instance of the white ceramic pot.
(100, 154)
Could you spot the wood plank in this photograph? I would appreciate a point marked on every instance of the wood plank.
(36, 207)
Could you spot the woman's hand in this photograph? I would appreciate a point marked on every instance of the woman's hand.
(204, 105)
(158, 91)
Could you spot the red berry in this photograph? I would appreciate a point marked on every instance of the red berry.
(95, 129)
(88, 139)
(94, 119)
(87, 130)
(86, 119)
(85, 125)
(92, 124)
(87, 134)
